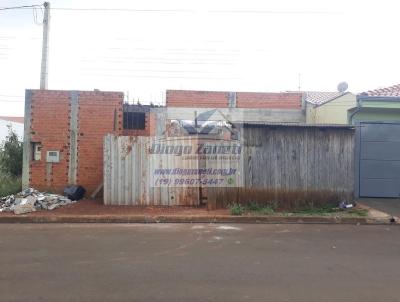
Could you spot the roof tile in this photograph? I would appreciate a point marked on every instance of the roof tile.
(393, 91)
(321, 97)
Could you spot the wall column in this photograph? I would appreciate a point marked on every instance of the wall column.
(73, 138)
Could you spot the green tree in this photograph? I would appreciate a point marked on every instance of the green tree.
(11, 154)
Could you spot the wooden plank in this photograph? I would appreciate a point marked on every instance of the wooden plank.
(274, 158)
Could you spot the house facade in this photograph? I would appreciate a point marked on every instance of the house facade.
(377, 120)
(328, 107)
(377, 105)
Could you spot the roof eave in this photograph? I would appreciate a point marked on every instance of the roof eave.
(378, 98)
(330, 100)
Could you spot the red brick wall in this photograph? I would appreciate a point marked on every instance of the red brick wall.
(192, 98)
(95, 119)
(283, 100)
(50, 125)
(214, 99)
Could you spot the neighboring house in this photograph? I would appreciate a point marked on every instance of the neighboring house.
(377, 105)
(377, 117)
(328, 107)
(16, 123)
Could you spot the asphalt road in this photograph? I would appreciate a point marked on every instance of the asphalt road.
(197, 262)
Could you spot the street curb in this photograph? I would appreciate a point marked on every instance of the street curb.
(194, 219)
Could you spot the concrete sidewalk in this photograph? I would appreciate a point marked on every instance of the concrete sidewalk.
(388, 205)
(93, 211)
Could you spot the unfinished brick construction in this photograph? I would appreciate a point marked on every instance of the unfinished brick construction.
(64, 130)
(72, 123)
(221, 99)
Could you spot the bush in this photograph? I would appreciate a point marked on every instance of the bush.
(11, 155)
(266, 211)
(9, 185)
(253, 206)
(236, 209)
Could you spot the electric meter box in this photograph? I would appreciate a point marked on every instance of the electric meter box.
(37, 151)
(53, 156)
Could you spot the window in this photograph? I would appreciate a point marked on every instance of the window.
(134, 120)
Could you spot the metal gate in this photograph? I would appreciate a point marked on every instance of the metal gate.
(379, 159)
(149, 171)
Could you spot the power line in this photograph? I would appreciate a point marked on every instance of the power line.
(21, 7)
(99, 9)
(108, 75)
(156, 62)
(193, 11)
(305, 12)
(8, 101)
(274, 12)
(125, 10)
(12, 96)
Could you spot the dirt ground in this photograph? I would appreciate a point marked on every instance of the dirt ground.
(96, 207)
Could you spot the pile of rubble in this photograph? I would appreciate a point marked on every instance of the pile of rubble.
(31, 200)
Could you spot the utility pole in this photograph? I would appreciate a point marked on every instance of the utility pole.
(44, 70)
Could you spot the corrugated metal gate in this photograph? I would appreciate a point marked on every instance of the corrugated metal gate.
(130, 172)
(379, 159)
(127, 179)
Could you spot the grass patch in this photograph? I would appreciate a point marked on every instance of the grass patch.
(309, 211)
(236, 209)
(282, 200)
(256, 209)
(330, 211)
(265, 211)
(252, 208)
(9, 185)
(358, 212)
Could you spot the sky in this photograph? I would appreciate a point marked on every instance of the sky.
(143, 47)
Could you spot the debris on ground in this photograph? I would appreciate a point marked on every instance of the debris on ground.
(31, 200)
(346, 205)
(74, 192)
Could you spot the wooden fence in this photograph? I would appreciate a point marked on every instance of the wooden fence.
(286, 162)
(293, 164)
